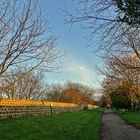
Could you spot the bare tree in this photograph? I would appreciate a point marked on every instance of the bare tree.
(24, 85)
(109, 21)
(25, 39)
(54, 93)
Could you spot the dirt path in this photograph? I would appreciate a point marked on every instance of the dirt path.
(113, 128)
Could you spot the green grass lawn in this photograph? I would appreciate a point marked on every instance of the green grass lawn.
(131, 118)
(80, 125)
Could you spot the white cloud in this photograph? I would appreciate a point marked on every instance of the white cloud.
(82, 68)
(78, 70)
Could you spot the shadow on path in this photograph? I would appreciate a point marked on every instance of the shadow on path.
(114, 128)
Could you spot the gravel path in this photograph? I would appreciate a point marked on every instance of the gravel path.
(114, 128)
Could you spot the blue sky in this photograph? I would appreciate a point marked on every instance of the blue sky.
(80, 64)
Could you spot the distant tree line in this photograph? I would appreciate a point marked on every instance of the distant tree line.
(32, 86)
(72, 93)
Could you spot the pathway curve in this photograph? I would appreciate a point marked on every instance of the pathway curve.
(114, 128)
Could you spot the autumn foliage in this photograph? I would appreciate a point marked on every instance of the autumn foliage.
(122, 83)
(71, 93)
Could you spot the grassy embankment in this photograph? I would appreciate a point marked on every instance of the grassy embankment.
(80, 125)
(132, 118)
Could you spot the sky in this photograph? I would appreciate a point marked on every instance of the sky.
(79, 65)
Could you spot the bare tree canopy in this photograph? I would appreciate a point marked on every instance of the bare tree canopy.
(25, 39)
(123, 11)
(113, 24)
(106, 18)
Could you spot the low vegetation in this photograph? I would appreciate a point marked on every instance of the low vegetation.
(80, 125)
(130, 117)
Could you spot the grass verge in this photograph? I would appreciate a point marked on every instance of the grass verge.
(80, 125)
(132, 118)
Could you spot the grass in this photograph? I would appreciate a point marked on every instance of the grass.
(132, 118)
(80, 125)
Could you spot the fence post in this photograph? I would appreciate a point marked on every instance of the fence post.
(51, 108)
(42, 102)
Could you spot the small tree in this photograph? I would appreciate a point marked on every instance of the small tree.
(24, 85)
